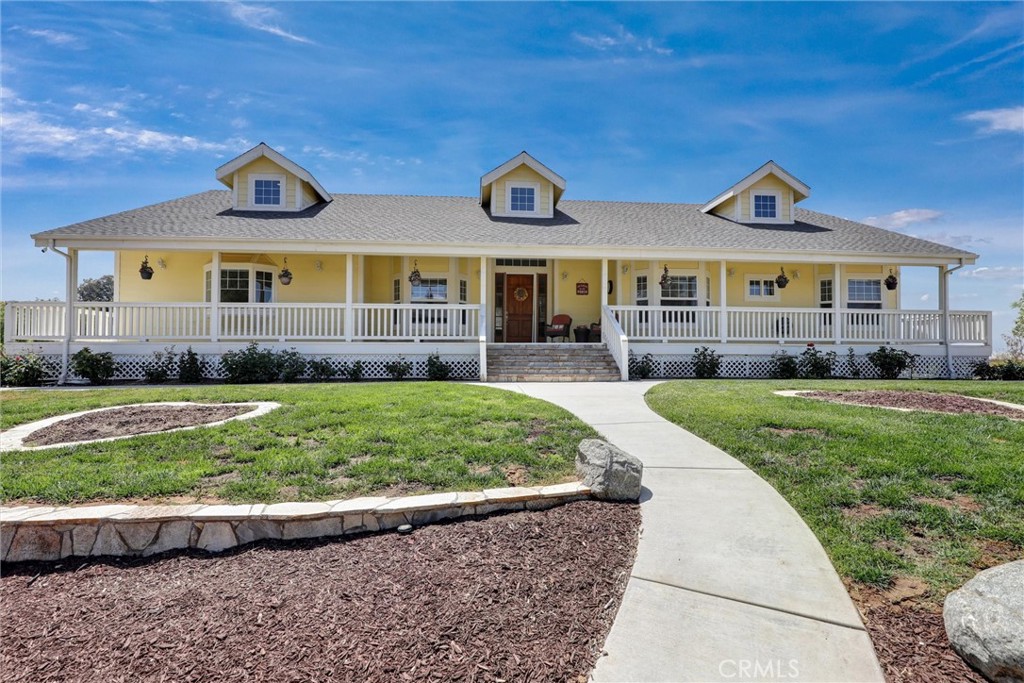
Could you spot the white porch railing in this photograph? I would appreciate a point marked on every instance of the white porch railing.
(616, 341)
(668, 322)
(113, 321)
(282, 321)
(415, 321)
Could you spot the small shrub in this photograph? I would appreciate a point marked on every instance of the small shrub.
(321, 369)
(437, 369)
(98, 368)
(642, 367)
(1008, 370)
(852, 370)
(891, 362)
(784, 366)
(190, 367)
(252, 365)
(159, 371)
(22, 371)
(291, 364)
(706, 363)
(355, 371)
(399, 369)
(814, 364)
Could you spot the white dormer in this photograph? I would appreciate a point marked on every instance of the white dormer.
(522, 187)
(263, 179)
(765, 196)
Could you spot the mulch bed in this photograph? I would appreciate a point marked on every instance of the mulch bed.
(918, 400)
(527, 596)
(131, 420)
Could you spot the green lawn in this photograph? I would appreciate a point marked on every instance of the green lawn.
(922, 495)
(326, 441)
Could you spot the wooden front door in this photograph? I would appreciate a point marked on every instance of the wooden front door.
(519, 308)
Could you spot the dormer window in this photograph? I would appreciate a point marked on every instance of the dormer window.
(267, 191)
(766, 206)
(522, 197)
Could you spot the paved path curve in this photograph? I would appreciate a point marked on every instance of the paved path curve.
(729, 583)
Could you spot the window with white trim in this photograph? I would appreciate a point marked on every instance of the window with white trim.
(396, 290)
(431, 290)
(679, 290)
(266, 191)
(761, 288)
(522, 198)
(641, 290)
(765, 206)
(241, 285)
(463, 291)
(864, 293)
(826, 297)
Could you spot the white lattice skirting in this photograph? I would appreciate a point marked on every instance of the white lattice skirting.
(760, 367)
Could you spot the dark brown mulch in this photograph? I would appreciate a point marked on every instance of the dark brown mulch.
(526, 596)
(131, 420)
(911, 642)
(918, 400)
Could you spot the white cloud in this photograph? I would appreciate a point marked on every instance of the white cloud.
(55, 38)
(262, 18)
(111, 111)
(1009, 120)
(624, 40)
(996, 273)
(987, 57)
(897, 220)
(926, 297)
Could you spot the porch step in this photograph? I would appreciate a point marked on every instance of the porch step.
(550, 363)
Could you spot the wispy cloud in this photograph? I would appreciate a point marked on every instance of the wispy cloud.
(1014, 48)
(55, 38)
(622, 40)
(1008, 120)
(897, 220)
(111, 111)
(359, 157)
(262, 18)
(996, 273)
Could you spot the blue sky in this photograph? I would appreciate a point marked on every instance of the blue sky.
(908, 116)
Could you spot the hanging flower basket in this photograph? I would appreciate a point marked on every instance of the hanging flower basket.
(414, 277)
(285, 276)
(664, 278)
(781, 280)
(891, 281)
(146, 271)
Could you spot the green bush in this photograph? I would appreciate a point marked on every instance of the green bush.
(1008, 370)
(252, 365)
(891, 362)
(852, 370)
(784, 366)
(190, 367)
(355, 371)
(399, 369)
(291, 364)
(706, 363)
(642, 367)
(437, 369)
(98, 368)
(814, 364)
(321, 369)
(160, 370)
(22, 371)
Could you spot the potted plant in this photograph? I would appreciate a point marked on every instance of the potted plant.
(582, 334)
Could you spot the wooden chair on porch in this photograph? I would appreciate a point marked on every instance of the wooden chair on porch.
(559, 327)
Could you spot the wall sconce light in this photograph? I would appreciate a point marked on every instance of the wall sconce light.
(664, 277)
(796, 274)
(565, 275)
(730, 272)
(414, 277)
(285, 276)
(318, 265)
(145, 270)
(625, 269)
(163, 264)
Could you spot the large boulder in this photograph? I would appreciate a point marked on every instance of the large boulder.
(610, 472)
(985, 622)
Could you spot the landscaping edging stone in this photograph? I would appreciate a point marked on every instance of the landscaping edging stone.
(49, 533)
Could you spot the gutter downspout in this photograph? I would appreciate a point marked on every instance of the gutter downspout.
(945, 317)
(69, 313)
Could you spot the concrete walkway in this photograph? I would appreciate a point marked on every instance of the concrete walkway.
(729, 583)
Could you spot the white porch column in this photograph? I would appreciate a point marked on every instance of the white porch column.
(349, 280)
(215, 297)
(944, 325)
(838, 302)
(723, 313)
(604, 284)
(485, 295)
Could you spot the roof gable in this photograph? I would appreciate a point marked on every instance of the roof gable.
(521, 159)
(225, 173)
(800, 190)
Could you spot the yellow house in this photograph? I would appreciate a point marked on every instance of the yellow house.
(480, 280)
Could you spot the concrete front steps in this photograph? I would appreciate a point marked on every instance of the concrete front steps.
(550, 363)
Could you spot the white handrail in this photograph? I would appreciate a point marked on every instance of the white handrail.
(616, 341)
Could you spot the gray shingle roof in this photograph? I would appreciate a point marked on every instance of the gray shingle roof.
(460, 220)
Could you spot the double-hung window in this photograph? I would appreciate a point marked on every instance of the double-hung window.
(761, 288)
(241, 285)
(864, 293)
(679, 290)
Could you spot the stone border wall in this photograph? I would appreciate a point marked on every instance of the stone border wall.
(48, 533)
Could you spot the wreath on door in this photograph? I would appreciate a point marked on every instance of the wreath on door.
(520, 294)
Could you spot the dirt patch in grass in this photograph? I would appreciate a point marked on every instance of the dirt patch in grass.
(918, 400)
(960, 503)
(864, 511)
(527, 596)
(131, 420)
(515, 475)
(538, 428)
(992, 552)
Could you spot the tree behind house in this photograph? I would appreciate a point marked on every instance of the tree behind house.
(97, 289)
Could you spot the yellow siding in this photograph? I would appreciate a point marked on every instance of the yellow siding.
(769, 182)
(265, 165)
(583, 309)
(726, 209)
(308, 284)
(380, 272)
(182, 280)
(524, 174)
(799, 293)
